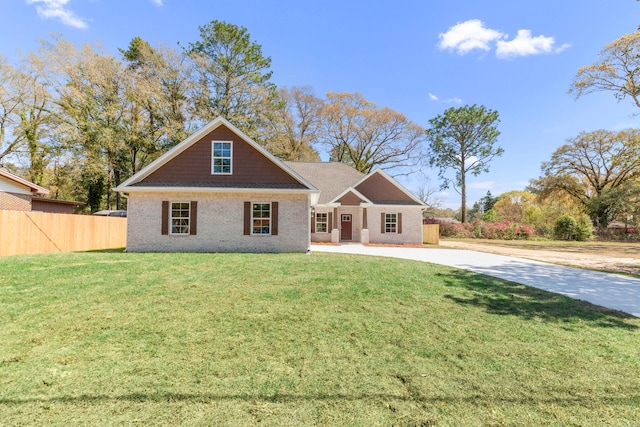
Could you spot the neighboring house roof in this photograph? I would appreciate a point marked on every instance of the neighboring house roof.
(58, 202)
(40, 204)
(331, 178)
(619, 224)
(34, 188)
(183, 167)
(336, 180)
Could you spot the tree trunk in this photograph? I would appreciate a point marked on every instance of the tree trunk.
(116, 175)
(463, 194)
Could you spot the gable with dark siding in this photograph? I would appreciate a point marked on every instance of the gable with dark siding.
(350, 199)
(193, 166)
(381, 191)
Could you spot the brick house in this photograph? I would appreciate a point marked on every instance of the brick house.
(219, 191)
(18, 194)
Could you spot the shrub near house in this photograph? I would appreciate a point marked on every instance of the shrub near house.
(504, 230)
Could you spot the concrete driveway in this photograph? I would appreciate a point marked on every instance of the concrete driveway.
(604, 289)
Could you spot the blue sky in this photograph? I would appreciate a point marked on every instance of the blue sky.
(418, 57)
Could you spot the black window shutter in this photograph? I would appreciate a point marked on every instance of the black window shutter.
(313, 222)
(382, 228)
(330, 222)
(193, 226)
(399, 223)
(165, 217)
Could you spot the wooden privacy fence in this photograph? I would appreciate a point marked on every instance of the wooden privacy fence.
(431, 234)
(38, 232)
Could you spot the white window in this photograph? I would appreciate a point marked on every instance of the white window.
(321, 222)
(391, 223)
(221, 157)
(261, 219)
(180, 218)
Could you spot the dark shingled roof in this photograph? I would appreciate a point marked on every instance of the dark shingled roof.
(331, 178)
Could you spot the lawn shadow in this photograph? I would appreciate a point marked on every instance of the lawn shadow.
(567, 398)
(107, 251)
(509, 298)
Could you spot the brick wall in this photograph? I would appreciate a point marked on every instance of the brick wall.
(411, 225)
(220, 226)
(15, 201)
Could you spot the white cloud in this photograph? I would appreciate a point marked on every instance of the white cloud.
(524, 45)
(56, 9)
(454, 100)
(157, 2)
(562, 48)
(473, 34)
(467, 36)
(469, 161)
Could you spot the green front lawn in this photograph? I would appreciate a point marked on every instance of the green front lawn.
(327, 339)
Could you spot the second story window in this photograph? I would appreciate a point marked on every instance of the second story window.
(221, 158)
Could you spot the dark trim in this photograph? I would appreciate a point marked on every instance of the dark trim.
(165, 217)
(247, 218)
(274, 218)
(193, 220)
(313, 222)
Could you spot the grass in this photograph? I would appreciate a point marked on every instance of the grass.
(622, 249)
(277, 340)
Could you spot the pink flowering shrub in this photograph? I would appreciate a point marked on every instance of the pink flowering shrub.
(503, 230)
(452, 229)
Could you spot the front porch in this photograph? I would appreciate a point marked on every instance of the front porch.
(383, 224)
(340, 224)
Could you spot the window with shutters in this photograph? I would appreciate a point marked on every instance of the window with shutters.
(221, 157)
(322, 222)
(391, 223)
(180, 216)
(261, 219)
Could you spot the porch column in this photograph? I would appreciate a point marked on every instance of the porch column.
(364, 234)
(335, 232)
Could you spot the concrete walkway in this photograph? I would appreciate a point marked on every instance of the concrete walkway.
(604, 289)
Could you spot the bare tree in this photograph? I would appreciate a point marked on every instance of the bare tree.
(428, 195)
(25, 117)
(295, 124)
(361, 134)
(617, 70)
